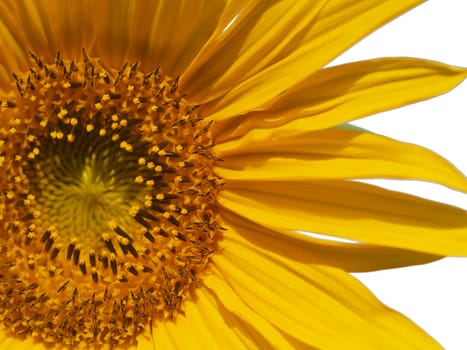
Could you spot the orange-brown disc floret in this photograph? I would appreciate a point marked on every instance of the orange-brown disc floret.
(108, 201)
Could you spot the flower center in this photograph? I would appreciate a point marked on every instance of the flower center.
(108, 201)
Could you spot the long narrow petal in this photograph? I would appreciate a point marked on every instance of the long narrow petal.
(351, 210)
(213, 323)
(260, 32)
(319, 306)
(45, 27)
(352, 257)
(166, 33)
(240, 316)
(337, 153)
(335, 27)
(201, 326)
(9, 41)
(347, 92)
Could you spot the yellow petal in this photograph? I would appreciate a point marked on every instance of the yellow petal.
(59, 24)
(281, 154)
(261, 31)
(354, 211)
(201, 326)
(23, 26)
(336, 26)
(347, 92)
(352, 257)
(240, 316)
(166, 33)
(320, 306)
(42, 27)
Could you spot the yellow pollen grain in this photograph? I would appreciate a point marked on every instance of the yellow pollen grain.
(89, 127)
(172, 244)
(102, 132)
(126, 146)
(141, 161)
(123, 240)
(139, 179)
(106, 97)
(98, 106)
(134, 210)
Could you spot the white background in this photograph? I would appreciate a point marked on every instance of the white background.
(433, 295)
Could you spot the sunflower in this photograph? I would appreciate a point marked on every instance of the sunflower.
(158, 157)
